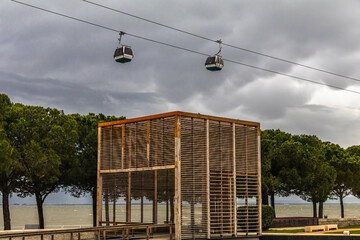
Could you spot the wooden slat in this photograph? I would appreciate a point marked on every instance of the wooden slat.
(177, 179)
(208, 224)
(234, 178)
(258, 195)
(137, 169)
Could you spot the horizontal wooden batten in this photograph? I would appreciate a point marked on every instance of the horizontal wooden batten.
(138, 169)
(186, 114)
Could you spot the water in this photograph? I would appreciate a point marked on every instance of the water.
(65, 216)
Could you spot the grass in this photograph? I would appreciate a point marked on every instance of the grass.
(284, 231)
(342, 232)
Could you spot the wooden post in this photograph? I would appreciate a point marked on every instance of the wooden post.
(114, 202)
(148, 143)
(128, 202)
(246, 185)
(122, 145)
(208, 226)
(221, 185)
(167, 196)
(234, 183)
(99, 183)
(177, 178)
(142, 198)
(258, 202)
(155, 197)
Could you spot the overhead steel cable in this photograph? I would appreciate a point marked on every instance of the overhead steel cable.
(225, 44)
(182, 48)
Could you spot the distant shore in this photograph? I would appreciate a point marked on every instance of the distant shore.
(80, 215)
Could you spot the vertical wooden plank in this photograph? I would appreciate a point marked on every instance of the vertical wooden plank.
(114, 202)
(148, 143)
(167, 196)
(221, 183)
(259, 182)
(142, 199)
(99, 183)
(129, 140)
(112, 167)
(177, 178)
(208, 226)
(128, 202)
(155, 203)
(234, 183)
(135, 150)
(246, 184)
(122, 144)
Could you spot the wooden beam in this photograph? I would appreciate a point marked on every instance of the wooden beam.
(177, 179)
(161, 115)
(99, 183)
(185, 114)
(137, 169)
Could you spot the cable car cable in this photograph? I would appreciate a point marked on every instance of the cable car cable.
(185, 49)
(225, 44)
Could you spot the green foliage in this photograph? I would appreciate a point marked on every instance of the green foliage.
(271, 165)
(6, 155)
(353, 154)
(268, 214)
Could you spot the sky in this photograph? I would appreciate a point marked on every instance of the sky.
(52, 61)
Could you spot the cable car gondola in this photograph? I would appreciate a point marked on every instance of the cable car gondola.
(123, 53)
(215, 63)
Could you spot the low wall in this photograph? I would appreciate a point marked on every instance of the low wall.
(341, 222)
(293, 222)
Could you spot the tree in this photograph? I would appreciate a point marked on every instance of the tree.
(37, 134)
(8, 175)
(271, 163)
(84, 176)
(9, 167)
(354, 159)
(339, 159)
(310, 177)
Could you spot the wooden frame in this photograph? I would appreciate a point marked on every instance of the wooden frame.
(227, 154)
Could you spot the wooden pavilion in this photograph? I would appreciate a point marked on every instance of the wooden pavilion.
(198, 172)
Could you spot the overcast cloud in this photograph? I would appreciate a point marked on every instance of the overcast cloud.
(52, 61)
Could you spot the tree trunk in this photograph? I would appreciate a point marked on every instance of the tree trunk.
(39, 204)
(314, 209)
(273, 202)
(265, 199)
(342, 206)
(321, 210)
(93, 196)
(6, 210)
